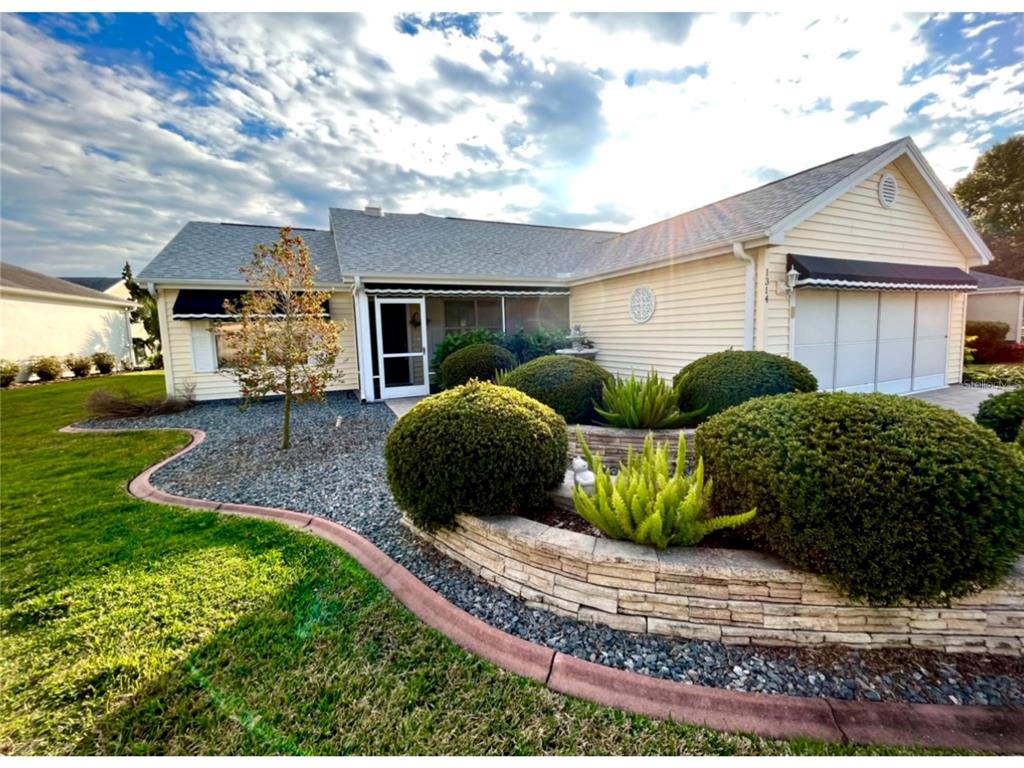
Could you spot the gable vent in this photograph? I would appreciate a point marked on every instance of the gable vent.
(888, 190)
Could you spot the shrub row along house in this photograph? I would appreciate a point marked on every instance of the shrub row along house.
(43, 316)
(859, 268)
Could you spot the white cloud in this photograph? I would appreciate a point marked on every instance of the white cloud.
(532, 120)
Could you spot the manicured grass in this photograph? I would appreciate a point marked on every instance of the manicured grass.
(132, 628)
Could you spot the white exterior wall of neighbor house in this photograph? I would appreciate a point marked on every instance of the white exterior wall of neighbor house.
(35, 326)
(179, 355)
(998, 307)
(856, 226)
(699, 309)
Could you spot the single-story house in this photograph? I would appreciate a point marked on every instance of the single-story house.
(999, 299)
(858, 268)
(43, 315)
(112, 286)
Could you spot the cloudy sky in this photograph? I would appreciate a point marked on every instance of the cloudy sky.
(117, 129)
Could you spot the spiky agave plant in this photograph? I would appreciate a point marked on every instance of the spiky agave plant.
(643, 404)
(646, 503)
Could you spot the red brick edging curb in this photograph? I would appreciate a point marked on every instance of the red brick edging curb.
(975, 728)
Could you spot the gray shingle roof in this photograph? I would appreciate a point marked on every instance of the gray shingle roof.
(747, 214)
(205, 250)
(96, 283)
(12, 276)
(986, 280)
(432, 246)
(418, 244)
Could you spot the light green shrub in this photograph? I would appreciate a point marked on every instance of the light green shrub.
(48, 368)
(649, 404)
(79, 365)
(8, 372)
(647, 504)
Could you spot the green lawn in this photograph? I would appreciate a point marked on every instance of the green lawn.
(132, 628)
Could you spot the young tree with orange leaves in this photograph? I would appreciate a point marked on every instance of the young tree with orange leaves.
(283, 341)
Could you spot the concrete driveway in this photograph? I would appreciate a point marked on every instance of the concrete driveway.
(963, 400)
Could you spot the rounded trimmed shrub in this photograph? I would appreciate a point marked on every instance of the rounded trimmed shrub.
(724, 379)
(48, 368)
(1003, 413)
(104, 362)
(478, 449)
(570, 385)
(79, 365)
(477, 361)
(890, 498)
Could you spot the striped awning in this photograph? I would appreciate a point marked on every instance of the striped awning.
(856, 274)
(195, 304)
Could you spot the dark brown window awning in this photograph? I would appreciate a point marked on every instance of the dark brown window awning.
(193, 304)
(854, 274)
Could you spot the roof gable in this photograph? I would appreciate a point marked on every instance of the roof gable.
(19, 278)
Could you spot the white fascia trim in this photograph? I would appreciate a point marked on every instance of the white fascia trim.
(948, 202)
(462, 279)
(904, 147)
(833, 193)
(1005, 289)
(184, 282)
(457, 292)
(874, 285)
(66, 298)
(722, 248)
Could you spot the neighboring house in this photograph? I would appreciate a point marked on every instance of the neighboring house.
(858, 268)
(999, 299)
(112, 286)
(42, 315)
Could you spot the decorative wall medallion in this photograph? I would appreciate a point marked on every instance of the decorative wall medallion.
(641, 304)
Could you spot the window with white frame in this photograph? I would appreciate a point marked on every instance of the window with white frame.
(461, 315)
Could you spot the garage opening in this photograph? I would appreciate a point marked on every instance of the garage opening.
(889, 340)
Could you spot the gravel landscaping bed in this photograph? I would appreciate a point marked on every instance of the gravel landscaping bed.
(339, 473)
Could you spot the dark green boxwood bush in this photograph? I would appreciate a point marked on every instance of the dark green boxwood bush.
(1003, 413)
(456, 341)
(8, 372)
(990, 337)
(104, 362)
(479, 449)
(529, 345)
(724, 379)
(890, 498)
(48, 368)
(570, 385)
(477, 361)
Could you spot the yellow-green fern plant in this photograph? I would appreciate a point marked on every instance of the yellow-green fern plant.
(646, 503)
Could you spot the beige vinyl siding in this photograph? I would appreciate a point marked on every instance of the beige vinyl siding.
(998, 307)
(220, 385)
(698, 310)
(856, 226)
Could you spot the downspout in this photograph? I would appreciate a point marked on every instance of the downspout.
(750, 297)
(364, 353)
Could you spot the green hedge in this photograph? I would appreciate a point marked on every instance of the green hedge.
(477, 361)
(479, 449)
(525, 345)
(570, 385)
(724, 379)
(8, 372)
(1003, 414)
(891, 498)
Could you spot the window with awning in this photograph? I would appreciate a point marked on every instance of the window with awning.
(196, 304)
(856, 274)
